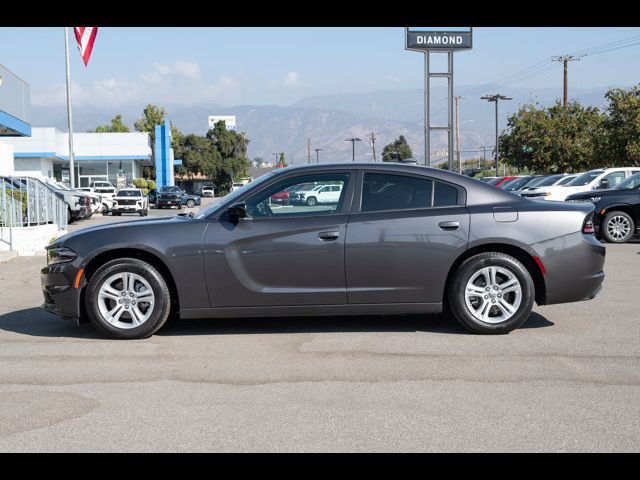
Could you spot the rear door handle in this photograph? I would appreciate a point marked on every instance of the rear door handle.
(448, 226)
(326, 236)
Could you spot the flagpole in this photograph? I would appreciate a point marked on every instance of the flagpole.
(69, 119)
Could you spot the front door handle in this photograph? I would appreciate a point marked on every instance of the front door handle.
(326, 236)
(448, 226)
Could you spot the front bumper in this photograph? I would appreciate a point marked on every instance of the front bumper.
(60, 295)
(168, 202)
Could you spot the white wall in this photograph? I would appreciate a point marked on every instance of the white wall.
(108, 145)
(6, 159)
(41, 168)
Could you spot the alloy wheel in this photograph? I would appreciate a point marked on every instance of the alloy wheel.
(126, 300)
(493, 294)
(619, 227)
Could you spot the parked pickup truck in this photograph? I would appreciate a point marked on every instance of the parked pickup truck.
(172, 196)
(130, 200)
(78, 203)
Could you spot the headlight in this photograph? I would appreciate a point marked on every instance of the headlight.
(595, 199)
(60, 255)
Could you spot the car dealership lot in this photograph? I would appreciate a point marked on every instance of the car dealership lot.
(568, 380)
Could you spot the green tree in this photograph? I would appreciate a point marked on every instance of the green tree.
(116, 126)
(621, 145)
(151, 116)
(397, 150)
(221, 156)
(553, 139)
(282, 162)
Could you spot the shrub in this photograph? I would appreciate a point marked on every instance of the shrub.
(139, 183)
(151, 184)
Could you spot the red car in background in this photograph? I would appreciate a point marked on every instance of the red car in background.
(496, 182)
(283, 196)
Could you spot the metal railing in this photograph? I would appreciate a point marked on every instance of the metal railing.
(27, 202)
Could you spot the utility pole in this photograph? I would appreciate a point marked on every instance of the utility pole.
(308, 150)
(565, 59)
(317, 157)
(373, 145)
(353, 146)
(457, 98)
(495, 98)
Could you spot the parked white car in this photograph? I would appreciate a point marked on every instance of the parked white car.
(207, 191)
(599, 179)
(130, 200)
(96, 203)
(548, 181)
(318, 194)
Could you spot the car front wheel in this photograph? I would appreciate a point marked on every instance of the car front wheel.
(127, 298)
(617, 227)
(191, 203)
(491, 293)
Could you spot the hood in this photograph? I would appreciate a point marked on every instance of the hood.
(599, 193)
(127, 224)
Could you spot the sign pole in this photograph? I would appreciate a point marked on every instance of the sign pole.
(72, 176)
(427, 120)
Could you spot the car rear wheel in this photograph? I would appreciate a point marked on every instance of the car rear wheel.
(127, 298)
(491, 293)
(617, 227)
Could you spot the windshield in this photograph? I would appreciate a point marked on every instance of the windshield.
(584, 179)
(170, 189)
(544, 181)
(630, 183)
(230, 197)
(517, 183)
(129, 193)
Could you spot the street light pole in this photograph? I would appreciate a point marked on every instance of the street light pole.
(317, 158)
(495, 98)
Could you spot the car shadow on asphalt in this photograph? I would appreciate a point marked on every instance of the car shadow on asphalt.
(38, 323)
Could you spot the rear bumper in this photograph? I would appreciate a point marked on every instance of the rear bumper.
(574, 267)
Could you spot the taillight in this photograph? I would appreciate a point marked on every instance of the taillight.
(587, 226)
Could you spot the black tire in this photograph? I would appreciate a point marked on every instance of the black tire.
(161, 292)
(191, 203)
(141, 213)
(311, 201)
(456, 303)
(105, 209)
(70, 218)
(621, 218)
(180, 206)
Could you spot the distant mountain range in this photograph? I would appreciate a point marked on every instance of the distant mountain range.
(329, 120)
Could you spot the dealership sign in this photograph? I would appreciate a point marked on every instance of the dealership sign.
(438, 38)
(229, 121)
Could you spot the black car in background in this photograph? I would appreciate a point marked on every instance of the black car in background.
(617, 210)
(171, 196)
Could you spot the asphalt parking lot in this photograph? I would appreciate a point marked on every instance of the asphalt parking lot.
(569, 380)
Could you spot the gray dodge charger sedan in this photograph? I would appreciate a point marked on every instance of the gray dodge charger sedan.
(368, 239)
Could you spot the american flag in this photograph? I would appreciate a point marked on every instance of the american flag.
(85, 36)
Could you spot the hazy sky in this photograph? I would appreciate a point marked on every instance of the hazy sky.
(233, 66)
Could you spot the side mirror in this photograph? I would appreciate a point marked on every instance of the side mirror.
(237, 211)
(604, 183)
